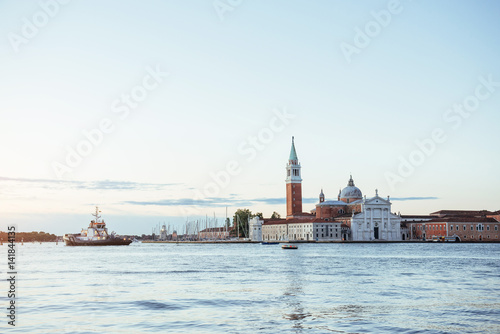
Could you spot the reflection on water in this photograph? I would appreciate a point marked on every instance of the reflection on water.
(191, 288)
(293, 289)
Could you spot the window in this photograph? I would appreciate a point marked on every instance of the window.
(465, 237)
(451, 227)
(487, 228)
(472, 228)
(464, 227)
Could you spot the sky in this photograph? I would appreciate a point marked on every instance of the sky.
(173, 111)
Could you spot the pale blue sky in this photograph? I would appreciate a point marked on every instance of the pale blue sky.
(226, 81)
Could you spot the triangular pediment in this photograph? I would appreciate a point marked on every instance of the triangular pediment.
(377, 200)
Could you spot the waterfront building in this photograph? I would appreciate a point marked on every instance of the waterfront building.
(459, 225)
(375, 221)
(255, 228)
(354, 217)
(312, 229)
(163, 233)
(214, 233)
(329, 220)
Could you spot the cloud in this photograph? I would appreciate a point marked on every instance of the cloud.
(213, 201)
(89, 185)
(217, 201)
(413, 198)
(232, 201)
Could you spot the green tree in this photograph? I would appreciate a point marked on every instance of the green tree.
(240, 221)
(259, 214)
(275, 215)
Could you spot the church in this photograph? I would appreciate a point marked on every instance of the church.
(351, 217)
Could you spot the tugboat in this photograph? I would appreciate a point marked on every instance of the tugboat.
(95, 235)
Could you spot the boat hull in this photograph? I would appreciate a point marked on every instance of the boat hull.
(73, 241)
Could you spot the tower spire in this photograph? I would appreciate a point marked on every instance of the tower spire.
(293, 153)
(293, 184)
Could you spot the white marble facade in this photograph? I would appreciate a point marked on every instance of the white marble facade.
(375, 221)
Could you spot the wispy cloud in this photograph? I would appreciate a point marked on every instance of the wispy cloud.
(413, 198)
(234, 201)
(217, 201)
(89, 185)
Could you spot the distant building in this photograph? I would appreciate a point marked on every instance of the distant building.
(163, 233)
(214, 233)
(460, 225)
(375, 221)
(354, 217)
(330, 220)
(255, 228)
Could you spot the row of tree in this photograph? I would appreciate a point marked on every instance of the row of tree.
(242, 217)
(29, 237)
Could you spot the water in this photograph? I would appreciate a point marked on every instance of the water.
(249, 288)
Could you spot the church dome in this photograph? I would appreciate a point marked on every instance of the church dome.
(351, 191)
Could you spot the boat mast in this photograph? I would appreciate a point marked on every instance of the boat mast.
(96, 214)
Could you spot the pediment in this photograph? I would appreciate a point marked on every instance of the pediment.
(377, 200)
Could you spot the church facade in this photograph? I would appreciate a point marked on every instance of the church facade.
(350, 217)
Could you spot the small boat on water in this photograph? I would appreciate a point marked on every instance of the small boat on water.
(289, 247)
(269, 243)
(95, 235)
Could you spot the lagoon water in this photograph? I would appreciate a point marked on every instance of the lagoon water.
(253, 288)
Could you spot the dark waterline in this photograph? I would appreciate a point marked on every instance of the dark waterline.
(247, 288)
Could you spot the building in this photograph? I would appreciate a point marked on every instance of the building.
(163, 233)
(458, 225)
(350, 217)
(214, 233)
(376, 222)
(255, 228)
(354, 217)
(301, 230)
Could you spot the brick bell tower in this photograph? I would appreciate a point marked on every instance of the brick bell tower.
(293, 184)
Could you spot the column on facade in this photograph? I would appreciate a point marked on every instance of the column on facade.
(389, 224)
(371, 224)
(364, 222)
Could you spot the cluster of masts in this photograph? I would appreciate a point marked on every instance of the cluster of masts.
(207, 229)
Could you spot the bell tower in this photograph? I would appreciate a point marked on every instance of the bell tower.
(293, 184)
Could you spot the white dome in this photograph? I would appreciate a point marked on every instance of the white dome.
(351, 191)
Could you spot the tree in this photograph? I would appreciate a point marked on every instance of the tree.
(275, 215)
(259, 214)
(240, 221)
